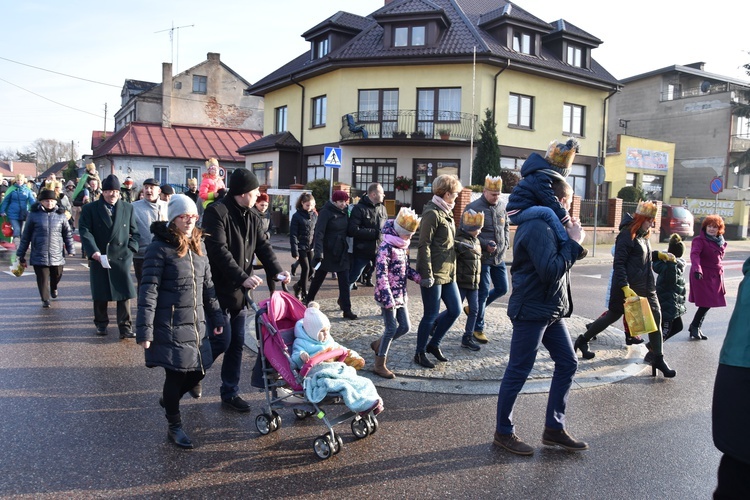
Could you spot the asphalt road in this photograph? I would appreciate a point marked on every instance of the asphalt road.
(80, 419)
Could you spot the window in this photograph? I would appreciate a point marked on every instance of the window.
(520, 111)
(435, 106)
(365, 171)
(200, 84)
(572, 119)
(380, 106)
(577, 180)
(161, 174)
(673, 91)
(630, 179)
(322, 48)
(319, 111)
(743, 127)
(522, 42)
(574, 56)
(653, 185)
(262, 172)
(316, 169)
(507, 163)
(409, 36)
(192, 173)
(280, 124)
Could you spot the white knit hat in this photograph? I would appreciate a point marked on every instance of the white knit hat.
(314, 321)
(180, 204)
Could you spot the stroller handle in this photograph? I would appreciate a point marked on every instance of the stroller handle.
(251, 303)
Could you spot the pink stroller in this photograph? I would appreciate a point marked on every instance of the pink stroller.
(275, 319)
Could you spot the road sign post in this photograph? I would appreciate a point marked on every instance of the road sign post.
(599, 175)
(716, 186)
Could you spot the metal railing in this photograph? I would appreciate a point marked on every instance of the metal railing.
(588, 207)
(407, 124)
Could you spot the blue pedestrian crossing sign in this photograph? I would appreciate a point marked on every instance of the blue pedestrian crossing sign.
(332, 157)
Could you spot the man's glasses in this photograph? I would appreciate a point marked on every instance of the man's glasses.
(189, 217)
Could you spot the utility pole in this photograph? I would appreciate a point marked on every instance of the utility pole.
(104, 134)
(171, 42)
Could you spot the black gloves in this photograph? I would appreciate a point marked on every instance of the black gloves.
(697, 275)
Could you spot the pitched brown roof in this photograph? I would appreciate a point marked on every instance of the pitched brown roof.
(179, 141)
(18, 167)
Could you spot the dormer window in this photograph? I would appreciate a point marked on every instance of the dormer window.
(574, 56)
(321, 48)
(522, 42)
(409, 36)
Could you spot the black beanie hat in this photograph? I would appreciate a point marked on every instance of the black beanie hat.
(111, 183)
(242, 181)
(47, 194)
(676, 246)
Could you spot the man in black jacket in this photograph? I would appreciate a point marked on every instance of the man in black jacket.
(233, 235)
(366, 220)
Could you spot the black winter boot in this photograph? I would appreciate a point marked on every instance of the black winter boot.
(583, 345)
(176, 434)
(659, 364)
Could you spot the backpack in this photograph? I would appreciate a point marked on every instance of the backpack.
(78, 201)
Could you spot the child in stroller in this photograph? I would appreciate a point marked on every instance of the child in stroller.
(287, 385)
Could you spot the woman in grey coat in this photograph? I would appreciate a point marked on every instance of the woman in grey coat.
(175, 286)
(49, 234)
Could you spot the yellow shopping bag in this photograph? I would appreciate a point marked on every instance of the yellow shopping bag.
(638, 316)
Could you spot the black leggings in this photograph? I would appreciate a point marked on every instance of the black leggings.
(671, 327)
(700, 315)
(176, 384)
(304, 260)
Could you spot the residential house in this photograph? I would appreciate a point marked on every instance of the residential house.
(691, 108)
(168, 130)
(401, 90)
(8, 170)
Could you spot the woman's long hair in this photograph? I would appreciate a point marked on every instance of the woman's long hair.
(184, 242)
(635, 226)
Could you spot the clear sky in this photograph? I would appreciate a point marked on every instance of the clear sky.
(108, 42)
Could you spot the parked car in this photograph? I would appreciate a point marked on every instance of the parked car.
(675, 219)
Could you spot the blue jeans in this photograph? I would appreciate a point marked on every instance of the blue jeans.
(230, 343)
(17, 226)
(397, 325)
(498, 276)
(472, 298)
(433, 321)
(359, 263)
(527, 337)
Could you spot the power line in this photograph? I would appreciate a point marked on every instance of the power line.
(50, 100)
(58, 73)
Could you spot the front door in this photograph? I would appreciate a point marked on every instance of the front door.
(425, 172)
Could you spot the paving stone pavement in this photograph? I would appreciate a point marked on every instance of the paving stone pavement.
(469, 372)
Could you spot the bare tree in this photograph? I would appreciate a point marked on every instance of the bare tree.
(7, 154)
(50, 151)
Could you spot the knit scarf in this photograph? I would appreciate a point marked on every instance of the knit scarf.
(396, 241)
(719, 240)
(440, 202)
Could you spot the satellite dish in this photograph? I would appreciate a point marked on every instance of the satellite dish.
(705, 86)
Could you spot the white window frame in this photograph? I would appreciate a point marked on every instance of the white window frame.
(522, 42)
(574, 56)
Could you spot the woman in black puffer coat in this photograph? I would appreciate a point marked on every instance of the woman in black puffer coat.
(49, 234)
(301, 241)
(175, 286)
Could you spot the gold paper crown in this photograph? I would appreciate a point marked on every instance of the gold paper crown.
(562, 155)
(493, 183)
(212, 162)
(472, 218)
(91, 167)
(52, 185)
(192, 181)
(407, 219)
(647, 208)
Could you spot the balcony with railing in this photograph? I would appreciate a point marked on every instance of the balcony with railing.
(740, 143)
(408, 125)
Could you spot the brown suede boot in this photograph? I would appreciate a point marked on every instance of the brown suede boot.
(375, 345)
(381, 369)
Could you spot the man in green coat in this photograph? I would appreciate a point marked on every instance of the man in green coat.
(109, 236)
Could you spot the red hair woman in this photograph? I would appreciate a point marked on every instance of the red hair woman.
(707, 272)
(632, 276)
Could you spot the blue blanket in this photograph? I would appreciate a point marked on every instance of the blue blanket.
(359, 393)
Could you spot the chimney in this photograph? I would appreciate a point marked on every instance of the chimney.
(213, 56)
(166, 95)
(696, 65)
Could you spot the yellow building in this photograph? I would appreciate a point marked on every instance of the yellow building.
(401, 92)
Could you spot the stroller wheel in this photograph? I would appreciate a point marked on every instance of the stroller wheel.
(373, 423)
(301, 414)
(275, 421)
(339, 444)
(263, 423)
(361, 428)
(323, 446)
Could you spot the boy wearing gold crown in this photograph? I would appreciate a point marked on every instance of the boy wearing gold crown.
(494, 240)
(632, 277)
(392, 269)
(469, 270)
(535, 187)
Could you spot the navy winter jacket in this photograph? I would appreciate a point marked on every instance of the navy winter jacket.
(540, 271)
(49, 235)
